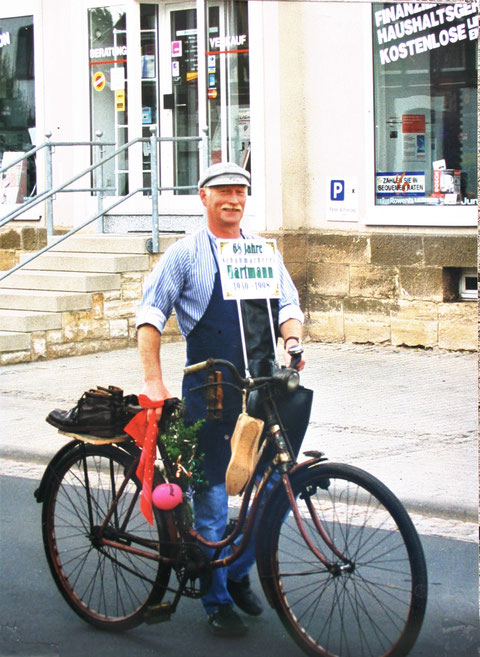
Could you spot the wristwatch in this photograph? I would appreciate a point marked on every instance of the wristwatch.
(292, 337)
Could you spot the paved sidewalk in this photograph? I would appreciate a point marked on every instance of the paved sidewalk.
(407, 416)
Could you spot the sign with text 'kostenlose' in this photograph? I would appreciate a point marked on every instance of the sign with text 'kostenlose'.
(249, 269)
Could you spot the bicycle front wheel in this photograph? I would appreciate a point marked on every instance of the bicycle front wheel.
(366, 595)
(108, 587)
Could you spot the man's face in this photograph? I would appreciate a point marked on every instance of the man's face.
(225, 206)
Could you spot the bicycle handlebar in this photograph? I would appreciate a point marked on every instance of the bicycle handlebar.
(198, 367)
(287, 377)
(212, 362)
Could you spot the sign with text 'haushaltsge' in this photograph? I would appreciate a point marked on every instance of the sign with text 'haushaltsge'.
(249, 268)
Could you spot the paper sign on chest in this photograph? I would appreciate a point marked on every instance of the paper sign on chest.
(249, 268)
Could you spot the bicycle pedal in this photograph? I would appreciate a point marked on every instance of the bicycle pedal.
(158, 613)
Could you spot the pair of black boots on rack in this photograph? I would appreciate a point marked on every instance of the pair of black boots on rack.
(101, 412)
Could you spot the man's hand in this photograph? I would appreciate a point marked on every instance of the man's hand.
(291, 331)
(149, 342)
(156, 391)
(288, 359)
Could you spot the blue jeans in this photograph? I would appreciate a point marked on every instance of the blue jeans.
(211, 517)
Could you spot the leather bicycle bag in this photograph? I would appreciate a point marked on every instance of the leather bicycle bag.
(294, 410)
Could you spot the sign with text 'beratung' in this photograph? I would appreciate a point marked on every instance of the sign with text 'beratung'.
(249, 268)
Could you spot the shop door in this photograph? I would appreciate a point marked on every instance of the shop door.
(210, 90)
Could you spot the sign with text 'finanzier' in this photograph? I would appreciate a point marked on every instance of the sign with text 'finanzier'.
(249, 269)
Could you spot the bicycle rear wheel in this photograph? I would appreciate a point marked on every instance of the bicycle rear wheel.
(371, 599)
(108, 587)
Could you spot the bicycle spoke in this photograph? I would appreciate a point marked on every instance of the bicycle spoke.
(106, 585)
(359, 603)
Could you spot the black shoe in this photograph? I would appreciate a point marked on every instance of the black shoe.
(94, 414)
(226, 622)
(244, 597)
(124, 407)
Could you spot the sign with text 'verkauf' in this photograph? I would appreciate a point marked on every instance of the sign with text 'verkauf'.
(249, 269)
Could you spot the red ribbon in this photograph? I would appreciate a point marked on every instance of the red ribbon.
(144, 431)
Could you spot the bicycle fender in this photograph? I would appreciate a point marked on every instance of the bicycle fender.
(51, 469)
(319, 458)
(260, 539)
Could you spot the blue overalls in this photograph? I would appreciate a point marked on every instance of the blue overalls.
(217, 335)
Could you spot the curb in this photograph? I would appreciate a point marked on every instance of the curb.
(425, 507)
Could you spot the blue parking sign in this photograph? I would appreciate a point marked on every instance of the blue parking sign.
(337, 190)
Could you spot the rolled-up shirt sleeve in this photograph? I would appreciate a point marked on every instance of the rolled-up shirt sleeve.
(163, 287)
(151, 315)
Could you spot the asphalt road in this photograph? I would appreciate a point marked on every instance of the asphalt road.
(36, 622)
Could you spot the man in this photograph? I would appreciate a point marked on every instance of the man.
(187, 279)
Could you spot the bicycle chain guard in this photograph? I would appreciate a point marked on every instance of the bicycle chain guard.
(194, 572)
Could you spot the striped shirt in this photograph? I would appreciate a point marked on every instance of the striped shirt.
(183, 281)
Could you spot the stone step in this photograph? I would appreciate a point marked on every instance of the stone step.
(11, 341)
(110, 243)
(44, 300)
(101, 243)
(27, 321)
(88, 262)
(62, 281)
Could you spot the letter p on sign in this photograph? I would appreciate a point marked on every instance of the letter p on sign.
(337, 190)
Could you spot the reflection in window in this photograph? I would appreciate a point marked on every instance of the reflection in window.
(17, 105)
(185, 97)
(108, 84)
(228, 81)
(148, 51)
(425, 68)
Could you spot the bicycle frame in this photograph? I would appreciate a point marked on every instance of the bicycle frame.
(283, 463)
(244, 525)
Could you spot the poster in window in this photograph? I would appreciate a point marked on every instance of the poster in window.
(413, 132)
(13, 182)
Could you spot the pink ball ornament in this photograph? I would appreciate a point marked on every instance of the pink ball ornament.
(167, 496)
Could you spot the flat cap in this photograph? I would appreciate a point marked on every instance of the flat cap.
(224, 173)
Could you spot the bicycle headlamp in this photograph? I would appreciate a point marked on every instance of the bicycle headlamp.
(288, 378)
(293, 380)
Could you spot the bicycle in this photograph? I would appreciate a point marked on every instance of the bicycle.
(338, 556)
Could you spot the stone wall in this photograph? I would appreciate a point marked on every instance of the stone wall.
(14, 241)
(398, 289)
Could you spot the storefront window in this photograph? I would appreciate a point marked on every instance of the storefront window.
(228, 81)
(108, 84)
(425, 68)
(17, 106)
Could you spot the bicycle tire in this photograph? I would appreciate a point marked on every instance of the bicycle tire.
(106, 587)
(375, 605)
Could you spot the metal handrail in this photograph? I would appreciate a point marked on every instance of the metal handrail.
(67, 235)
(23, 157)
(51, 191)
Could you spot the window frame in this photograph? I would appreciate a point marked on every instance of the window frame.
(461, 215)
(464, 293)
